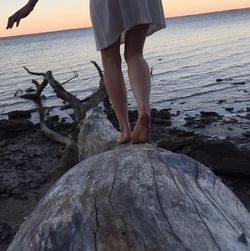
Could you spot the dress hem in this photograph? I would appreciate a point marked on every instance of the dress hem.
(150, 32)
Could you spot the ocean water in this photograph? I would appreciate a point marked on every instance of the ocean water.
(187, 57)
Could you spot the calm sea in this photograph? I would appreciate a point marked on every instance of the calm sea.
(187, 57)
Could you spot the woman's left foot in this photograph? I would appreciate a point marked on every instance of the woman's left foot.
(124, 137)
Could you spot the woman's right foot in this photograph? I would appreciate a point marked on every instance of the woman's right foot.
(142, 131)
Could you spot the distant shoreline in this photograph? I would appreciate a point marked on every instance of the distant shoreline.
(213, 12)
(86, 28)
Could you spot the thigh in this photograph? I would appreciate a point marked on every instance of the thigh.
(135, 38)
(112, 51)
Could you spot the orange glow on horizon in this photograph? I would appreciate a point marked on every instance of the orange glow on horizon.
(192, 7)
(44, 18)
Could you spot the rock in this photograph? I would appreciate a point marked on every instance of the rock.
(229, 109)
(19, 114)
(53, 118)
(159, 121)
(176, 114)
(189, 121)
(221, 101)
(164, 114)
(223, 79)
(208, 114)
(219, 80)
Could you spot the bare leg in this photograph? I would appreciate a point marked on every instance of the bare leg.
(115, 86)
(140, 80)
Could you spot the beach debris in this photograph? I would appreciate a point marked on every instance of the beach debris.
(18, 114)
(70, 155)
(75, 76)
(209, 114)
(30, 89)
(201, 121)
(221, 101)
(223, 79)
(229, 109)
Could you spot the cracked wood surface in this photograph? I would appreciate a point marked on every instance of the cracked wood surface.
(96, 134)
(134, 197)
(137, 198)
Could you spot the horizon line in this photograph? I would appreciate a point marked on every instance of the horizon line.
(89, 27)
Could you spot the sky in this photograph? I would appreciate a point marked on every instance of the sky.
(51, 15)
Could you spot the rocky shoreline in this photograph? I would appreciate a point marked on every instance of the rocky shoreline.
(29, 159)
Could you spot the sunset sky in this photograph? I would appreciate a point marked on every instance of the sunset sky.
(51, 15)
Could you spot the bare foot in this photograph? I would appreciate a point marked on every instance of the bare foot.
(142, 130)
(124, 137)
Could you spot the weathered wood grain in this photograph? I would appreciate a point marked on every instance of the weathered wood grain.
(135, 197)
(96, 134)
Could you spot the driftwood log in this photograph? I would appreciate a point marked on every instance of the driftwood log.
(134, 197)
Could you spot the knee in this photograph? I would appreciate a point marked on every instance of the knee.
(131, 54)
(111, 60)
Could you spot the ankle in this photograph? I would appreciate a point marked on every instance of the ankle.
(125, 128)
(143, 111)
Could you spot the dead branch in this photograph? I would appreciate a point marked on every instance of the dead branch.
(75, 76)
(35, 73)
(74, 102)
(39, 90)
(98, 69)
(70, 154)
(106, 101)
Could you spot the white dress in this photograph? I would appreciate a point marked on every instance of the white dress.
(112, 18)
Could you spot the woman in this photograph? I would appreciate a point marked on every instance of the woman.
(115, 22)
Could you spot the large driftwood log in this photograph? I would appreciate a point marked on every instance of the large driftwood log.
(135, 197)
